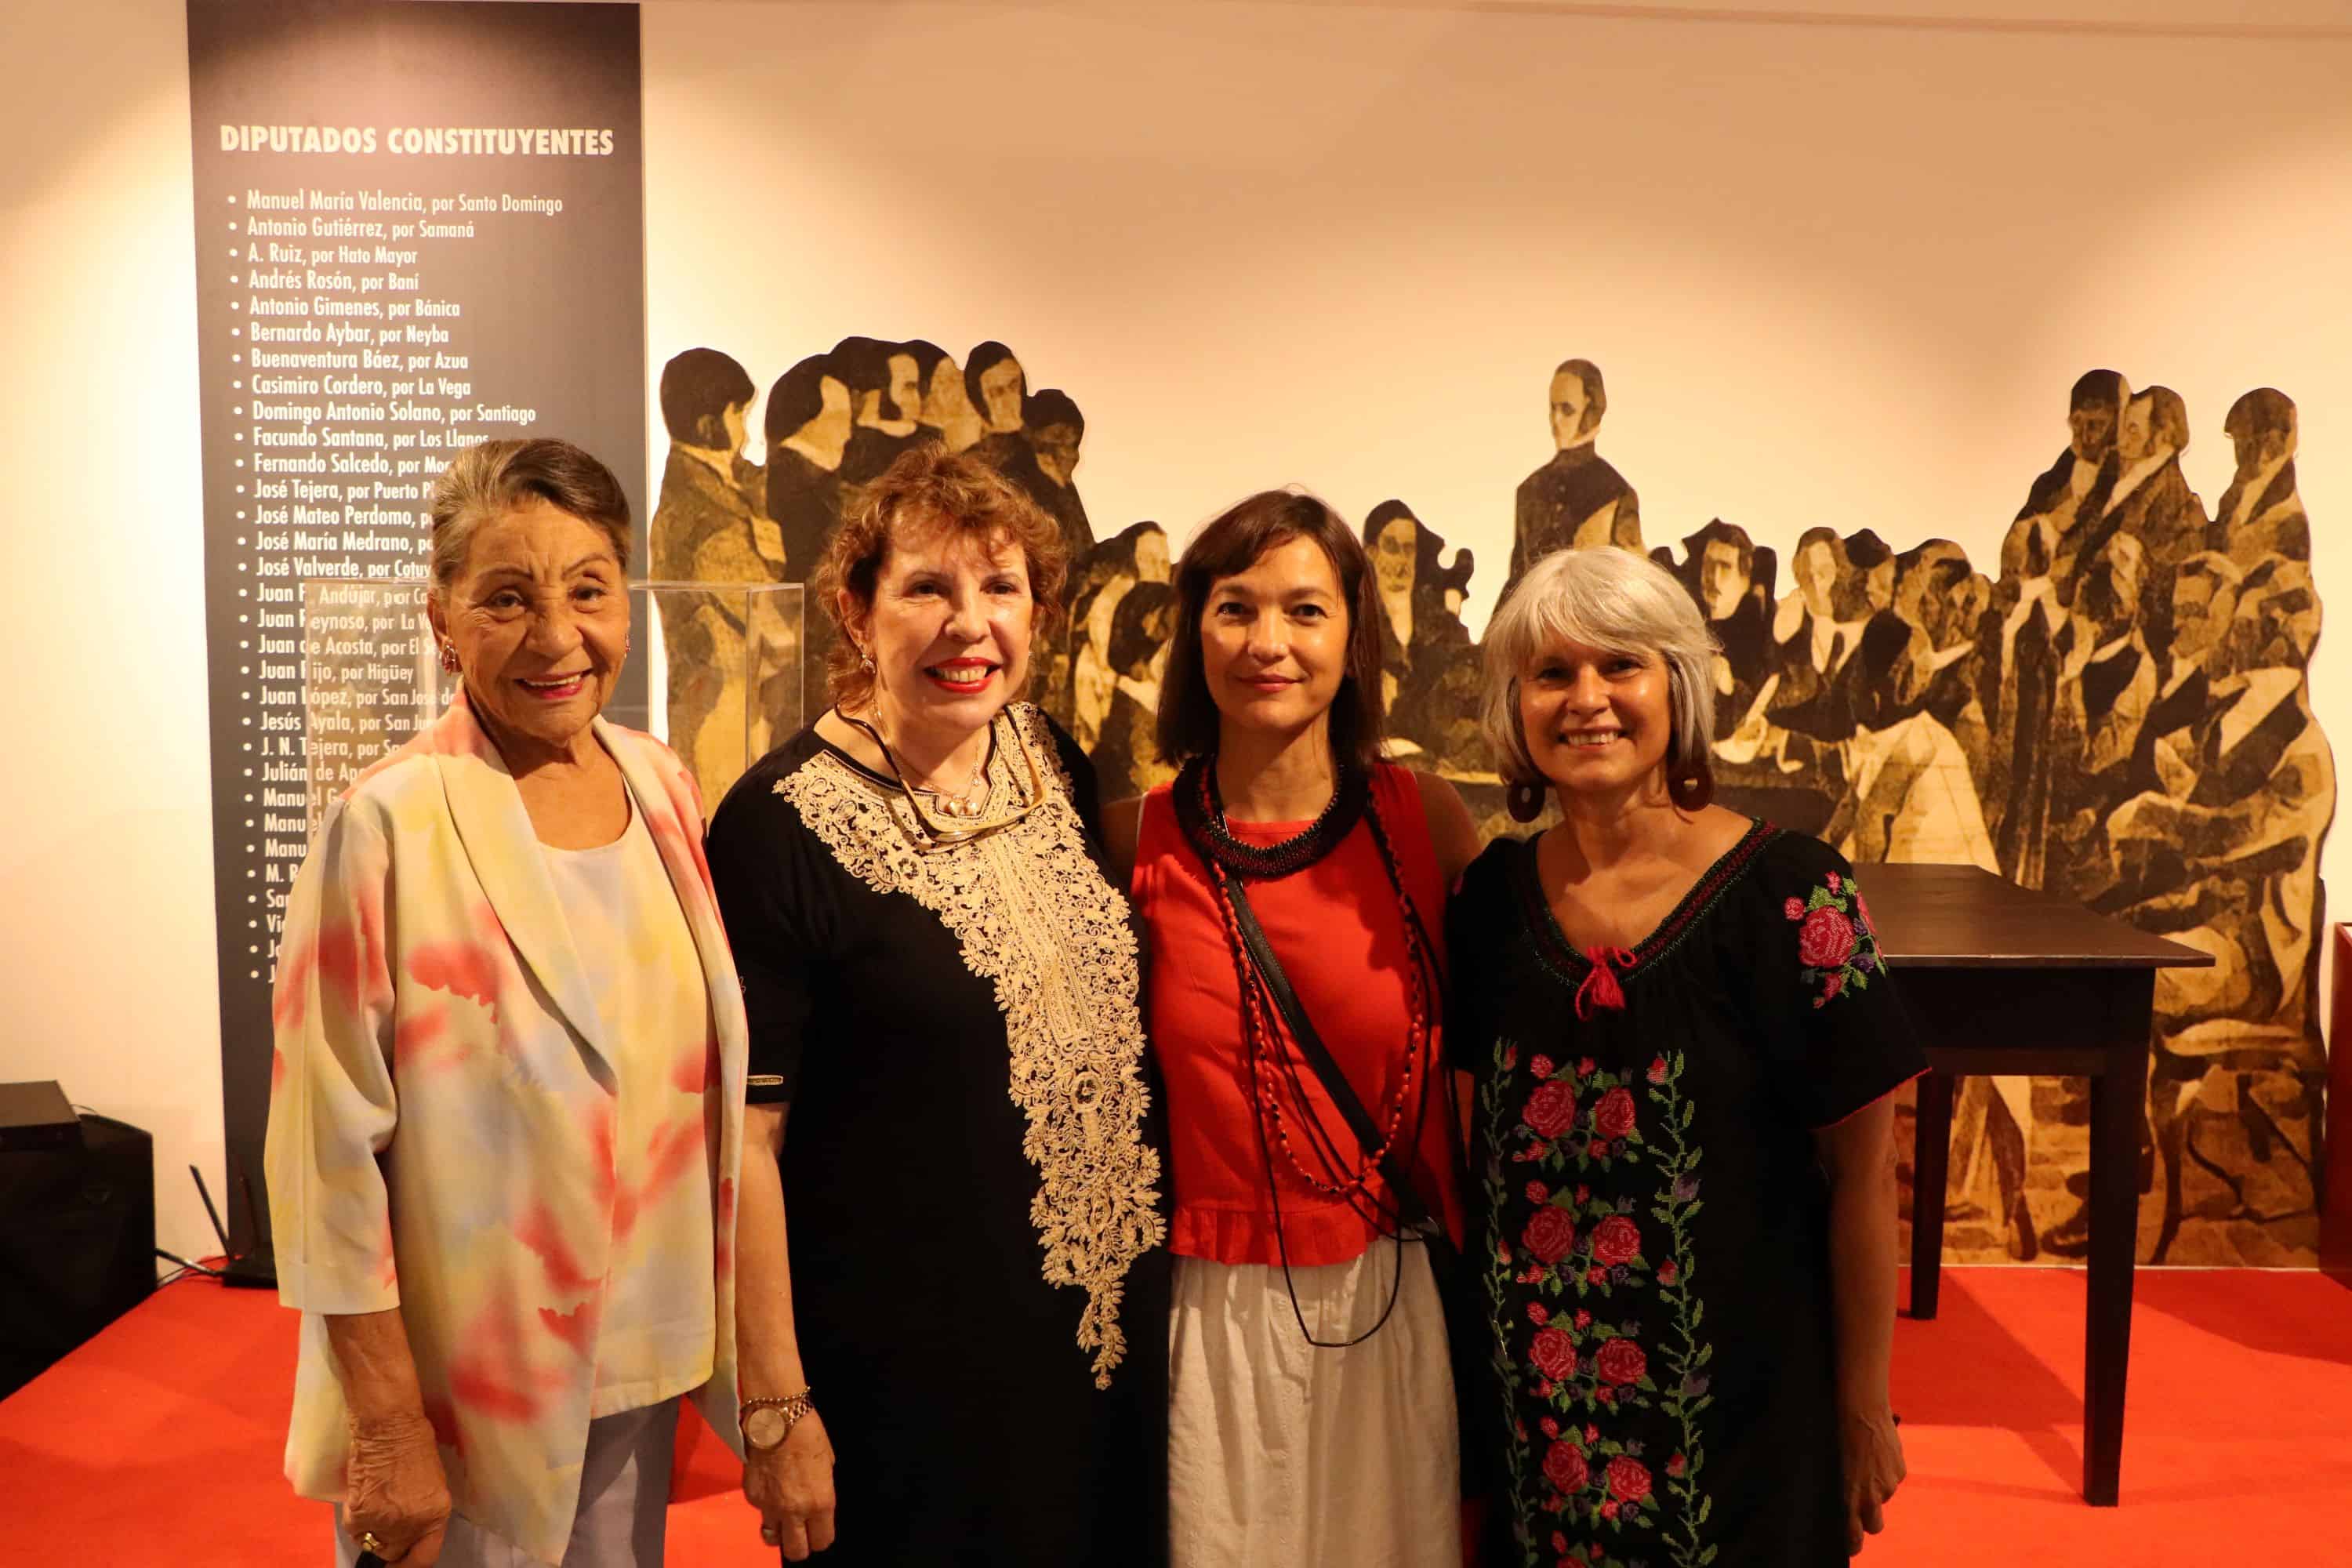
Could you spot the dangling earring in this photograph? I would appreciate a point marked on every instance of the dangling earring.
(1524, 800)
(865, 662)
(449, 656)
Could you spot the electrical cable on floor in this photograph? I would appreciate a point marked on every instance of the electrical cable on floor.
(185, 1269)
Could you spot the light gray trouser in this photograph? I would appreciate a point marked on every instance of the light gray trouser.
(624, 1503)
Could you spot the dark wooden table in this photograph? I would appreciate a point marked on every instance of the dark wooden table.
(2002, 980)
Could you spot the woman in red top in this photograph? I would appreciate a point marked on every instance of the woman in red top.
(1311, 1402)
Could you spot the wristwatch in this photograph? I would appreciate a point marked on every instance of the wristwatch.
(768, 1422)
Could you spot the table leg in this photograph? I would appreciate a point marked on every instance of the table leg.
(2118, 1095)
(1931, 1161)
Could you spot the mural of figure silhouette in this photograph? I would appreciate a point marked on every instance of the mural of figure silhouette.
(1938, 591)
(704, 529)
(947, 412)
(1042, 459)
(1138, 554)
(1577, 499)
(886, 401)
(2222, 854)
(1056, 427)
(1910, 794)
(1816, 633)
(2262, 512)
(2151, 500)
(2075, 488)
(809, 429)
(1941, 757)
(1127, 759)
(995, 385)
(1907, 792)
(2037, 581)
(1429, 665)
(1731, 581)
(809, 425)
(2106, 685)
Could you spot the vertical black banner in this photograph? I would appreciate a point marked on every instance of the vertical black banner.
(417, 226)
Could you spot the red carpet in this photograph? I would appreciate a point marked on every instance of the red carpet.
(159, 1441)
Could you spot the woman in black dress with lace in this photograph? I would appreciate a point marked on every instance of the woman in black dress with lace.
(1684, 1044)
(941, 993)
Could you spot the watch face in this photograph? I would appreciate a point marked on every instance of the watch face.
(765, 1428)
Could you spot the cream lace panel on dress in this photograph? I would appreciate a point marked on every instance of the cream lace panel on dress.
(1034, 918)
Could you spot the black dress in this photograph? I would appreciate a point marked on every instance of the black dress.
(971, 1166)
(1655, 1243)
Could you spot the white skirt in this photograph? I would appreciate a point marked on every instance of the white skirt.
(1288, 1456)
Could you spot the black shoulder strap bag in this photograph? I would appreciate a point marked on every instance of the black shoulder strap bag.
(1396, 1168)
(1466, 1331)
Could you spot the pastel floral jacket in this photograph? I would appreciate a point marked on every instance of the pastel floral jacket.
(441, 1118)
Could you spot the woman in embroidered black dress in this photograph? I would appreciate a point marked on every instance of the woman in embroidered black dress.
(1684, 1044)
(941, 989)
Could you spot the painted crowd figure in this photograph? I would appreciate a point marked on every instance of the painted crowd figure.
(831, 424)
(1577, 499)
(2120, 717)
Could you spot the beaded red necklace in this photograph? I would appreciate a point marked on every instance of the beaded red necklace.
(1346, 1178)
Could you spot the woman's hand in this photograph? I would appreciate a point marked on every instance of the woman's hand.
(394, 1488)
(791, 1486)
(1874, 1469)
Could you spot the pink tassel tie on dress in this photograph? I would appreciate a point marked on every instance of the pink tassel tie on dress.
(1601, 988)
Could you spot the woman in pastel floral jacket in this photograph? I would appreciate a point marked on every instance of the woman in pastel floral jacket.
(506, 1099)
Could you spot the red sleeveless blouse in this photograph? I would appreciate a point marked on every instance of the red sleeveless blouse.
(1339, 933)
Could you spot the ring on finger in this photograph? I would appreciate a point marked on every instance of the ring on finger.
(771, 1533)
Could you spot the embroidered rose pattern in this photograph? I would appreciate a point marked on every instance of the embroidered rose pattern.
(1837, 951)
(1551, 1233)
(1628, 1480)
(1553, 1353)
(1551, 1109)
(1613, 1116)
(1615, 1240)
(1580, 1358)
(1825, 939)
(1620, 1361)
(1565, 1467)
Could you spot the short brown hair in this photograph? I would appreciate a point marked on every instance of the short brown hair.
(932, 488)
(488, 479)
(1187, 723)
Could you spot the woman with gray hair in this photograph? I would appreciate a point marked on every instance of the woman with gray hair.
(1684, 1045)
(507, 1099)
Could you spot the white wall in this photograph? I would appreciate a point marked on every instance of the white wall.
(107, 980)
(1836, 273)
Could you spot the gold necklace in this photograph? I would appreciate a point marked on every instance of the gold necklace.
(962, 828)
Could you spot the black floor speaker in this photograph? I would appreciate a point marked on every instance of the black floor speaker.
(77, 1243)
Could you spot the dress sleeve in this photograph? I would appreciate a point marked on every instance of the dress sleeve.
(334, 1108)
(757, 851)
(1839, 1036)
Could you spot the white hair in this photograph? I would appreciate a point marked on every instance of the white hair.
(1611, 599)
